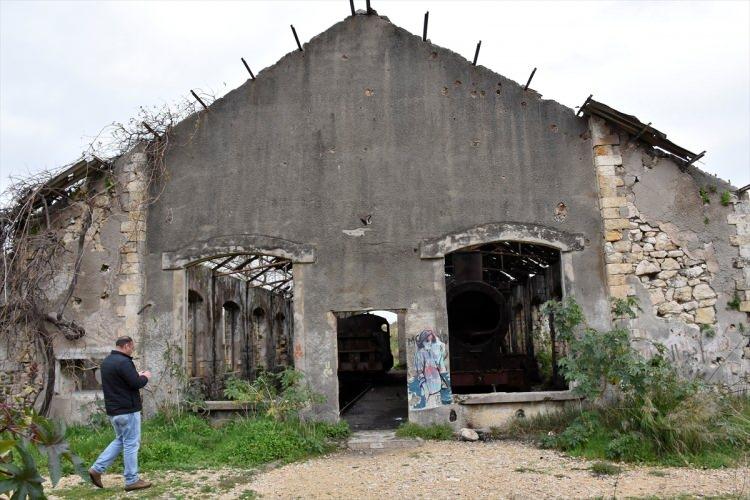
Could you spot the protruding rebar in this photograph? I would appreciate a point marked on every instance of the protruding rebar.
(476, 53)
(252, 76)
(296, 38)
(151, 130)
(199, 99)
(369, 9)
(424, 30)
(351, 6)
(529, 80)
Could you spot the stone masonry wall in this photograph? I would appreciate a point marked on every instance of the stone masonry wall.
(741, 220)
(668, 244)
(678, 279)
(107, 299)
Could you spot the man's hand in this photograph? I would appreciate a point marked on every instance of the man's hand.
(146, 373)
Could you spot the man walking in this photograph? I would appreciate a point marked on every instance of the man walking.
(121, 384)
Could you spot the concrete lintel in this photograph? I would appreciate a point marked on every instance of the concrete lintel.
(515, 397)
(237, 244)
(501, 231)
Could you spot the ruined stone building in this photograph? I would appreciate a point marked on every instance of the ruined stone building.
(376, 171)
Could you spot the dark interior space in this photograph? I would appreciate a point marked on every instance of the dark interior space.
(372, 394)
(498, 338)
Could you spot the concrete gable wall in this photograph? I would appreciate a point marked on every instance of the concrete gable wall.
(371, 120)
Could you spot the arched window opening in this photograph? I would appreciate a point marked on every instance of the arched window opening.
(498, 339)
(234, 328)
(195, 328)
(230, 326)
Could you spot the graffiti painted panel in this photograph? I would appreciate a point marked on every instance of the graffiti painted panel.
(429, 381)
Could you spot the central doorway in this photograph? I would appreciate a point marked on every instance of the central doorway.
(372, 369)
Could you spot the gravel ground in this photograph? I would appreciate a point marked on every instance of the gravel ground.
(502, 469)
(434, 470)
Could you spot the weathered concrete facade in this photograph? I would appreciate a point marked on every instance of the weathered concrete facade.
(369, 156)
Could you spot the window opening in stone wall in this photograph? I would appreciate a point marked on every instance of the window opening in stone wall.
(498, 339)
(371, 368)
(242, 323)
(80, 375)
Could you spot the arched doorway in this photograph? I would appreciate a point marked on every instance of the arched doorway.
(498, 340)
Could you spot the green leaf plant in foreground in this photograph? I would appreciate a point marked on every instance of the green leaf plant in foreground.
(21, 430)
(21, 479)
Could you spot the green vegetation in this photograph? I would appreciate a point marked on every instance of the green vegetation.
(276, 395)
(734, 304)
(24, 436)
(726, 197)
(639, 409)
(704, 196)
(708, 331)
(190, 442)
(605, 469)
(438, 432)
(173, 440)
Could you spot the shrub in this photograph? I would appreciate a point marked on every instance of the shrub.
(650, 413)
(277, 395)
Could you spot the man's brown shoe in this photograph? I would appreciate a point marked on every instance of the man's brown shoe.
(96, 478)
(138, 485)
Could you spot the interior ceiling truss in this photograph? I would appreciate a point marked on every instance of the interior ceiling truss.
(258, 271)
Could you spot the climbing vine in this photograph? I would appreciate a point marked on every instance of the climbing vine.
(46, 221)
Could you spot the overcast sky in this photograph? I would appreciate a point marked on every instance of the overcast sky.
(67, 69)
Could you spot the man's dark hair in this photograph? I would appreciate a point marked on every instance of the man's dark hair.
(121, 341)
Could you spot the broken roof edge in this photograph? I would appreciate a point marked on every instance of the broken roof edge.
(640, 131)
(644, 133)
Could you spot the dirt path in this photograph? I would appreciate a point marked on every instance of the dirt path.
(439, 470)
(434, 470)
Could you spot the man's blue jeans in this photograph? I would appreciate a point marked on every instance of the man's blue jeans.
(127, 440)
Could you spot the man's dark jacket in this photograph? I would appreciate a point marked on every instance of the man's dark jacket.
(121, 384)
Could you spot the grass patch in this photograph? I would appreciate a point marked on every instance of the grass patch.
(190, 442)
(605, 469)
(709, 431)
(436, 432)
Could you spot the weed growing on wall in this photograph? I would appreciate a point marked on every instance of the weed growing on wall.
(726, 198)
(704, 196)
